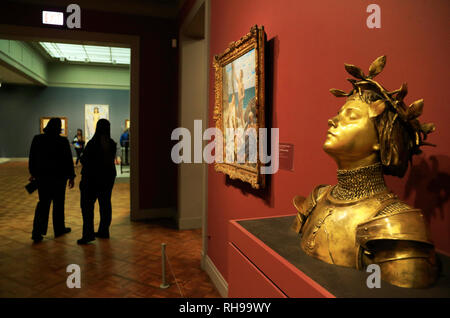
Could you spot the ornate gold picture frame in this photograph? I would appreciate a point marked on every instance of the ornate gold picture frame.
(44, 121)
(239, 103)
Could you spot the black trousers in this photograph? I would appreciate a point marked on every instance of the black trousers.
(126, 154)
(49, 191)
(78, 152)
(91, 192)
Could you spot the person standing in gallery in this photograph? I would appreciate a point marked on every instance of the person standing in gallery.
(50, 165)
(78, 144)
(125, 143)
(97, 180)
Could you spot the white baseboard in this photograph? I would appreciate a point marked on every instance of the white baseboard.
(6, 159)
(189, 223)
(216, 277)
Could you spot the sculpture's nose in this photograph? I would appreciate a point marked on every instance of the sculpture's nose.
(331, 122)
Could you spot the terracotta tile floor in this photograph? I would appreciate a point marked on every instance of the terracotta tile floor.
(127, 265)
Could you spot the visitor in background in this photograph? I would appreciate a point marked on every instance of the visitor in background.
(78, 144)
(50, 165)
(125, 142)
(97, 180)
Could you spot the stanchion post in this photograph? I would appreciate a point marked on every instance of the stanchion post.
(164, 284)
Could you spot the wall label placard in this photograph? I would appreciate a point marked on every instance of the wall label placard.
(286, 156)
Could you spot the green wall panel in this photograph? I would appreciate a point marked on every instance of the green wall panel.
(26, 60)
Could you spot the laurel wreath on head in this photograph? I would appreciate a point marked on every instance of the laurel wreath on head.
(407, 114)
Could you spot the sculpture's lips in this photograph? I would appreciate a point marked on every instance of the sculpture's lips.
(330, 133)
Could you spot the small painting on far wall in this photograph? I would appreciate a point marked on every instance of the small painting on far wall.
(127, 124)
(44, 121)
(92, 114)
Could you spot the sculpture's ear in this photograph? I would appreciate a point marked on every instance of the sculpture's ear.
(376, 108)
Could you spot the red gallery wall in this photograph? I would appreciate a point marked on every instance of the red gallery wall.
(311, 41)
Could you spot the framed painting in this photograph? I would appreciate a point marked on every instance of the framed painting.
(127, 124)
(92, 114)
(44, 121)
(239, 106)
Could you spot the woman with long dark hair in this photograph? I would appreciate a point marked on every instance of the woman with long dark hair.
(97, 181)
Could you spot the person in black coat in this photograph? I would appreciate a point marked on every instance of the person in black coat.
(97, 180)
(50, 165)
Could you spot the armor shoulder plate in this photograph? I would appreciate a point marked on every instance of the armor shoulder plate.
(305, 206)
(408, 264)
(397, 239)
(405, 224)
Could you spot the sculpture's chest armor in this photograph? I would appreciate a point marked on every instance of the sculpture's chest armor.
(329, 231)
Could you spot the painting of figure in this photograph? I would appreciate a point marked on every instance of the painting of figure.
(239, 102)
(92, 114)
(239, 111)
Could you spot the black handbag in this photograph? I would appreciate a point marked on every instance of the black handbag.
(32, 186)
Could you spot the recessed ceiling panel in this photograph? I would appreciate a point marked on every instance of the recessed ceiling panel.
(87, 53)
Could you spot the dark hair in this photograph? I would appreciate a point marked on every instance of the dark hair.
(103, 135)
(103, 128)
(53, 126)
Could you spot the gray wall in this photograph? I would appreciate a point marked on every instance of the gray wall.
(22, 106)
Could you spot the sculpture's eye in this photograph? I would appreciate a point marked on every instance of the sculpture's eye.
(352, 114)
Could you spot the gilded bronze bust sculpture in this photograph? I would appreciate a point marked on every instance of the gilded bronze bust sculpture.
(359, 221)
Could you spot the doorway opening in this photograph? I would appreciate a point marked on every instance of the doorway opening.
(78, 77)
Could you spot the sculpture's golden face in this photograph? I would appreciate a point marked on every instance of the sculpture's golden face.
(351, 134)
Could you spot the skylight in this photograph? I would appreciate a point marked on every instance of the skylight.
(87, 53)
